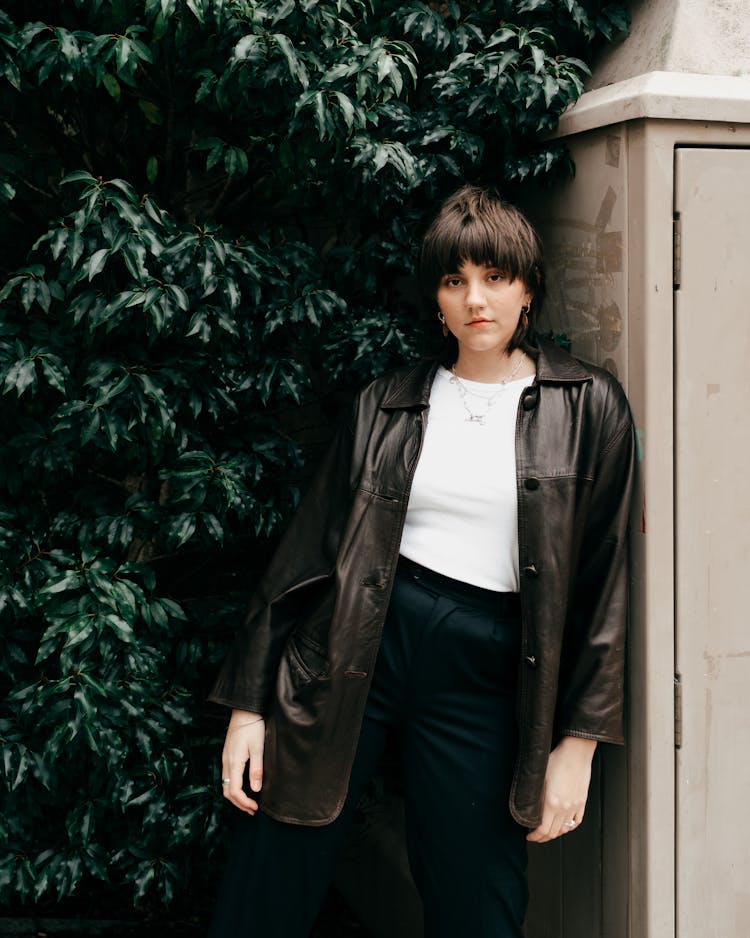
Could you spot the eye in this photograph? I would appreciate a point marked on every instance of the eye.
(496, 276)
(451, 280)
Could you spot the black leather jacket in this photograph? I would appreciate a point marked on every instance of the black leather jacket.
(306, 653)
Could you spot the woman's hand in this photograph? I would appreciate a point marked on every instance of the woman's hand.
(566, 787)
(244, 741)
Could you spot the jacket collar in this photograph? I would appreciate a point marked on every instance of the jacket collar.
(413, 388)
(553, 365)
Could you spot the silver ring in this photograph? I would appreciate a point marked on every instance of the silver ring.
(226, 781)
(570, 823)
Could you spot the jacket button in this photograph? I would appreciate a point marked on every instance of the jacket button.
(532, 484)
(529, 400)
(531, 570)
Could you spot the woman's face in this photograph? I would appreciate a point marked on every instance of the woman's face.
(481, 306)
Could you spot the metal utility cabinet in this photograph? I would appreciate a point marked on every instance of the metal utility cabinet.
(648, 256)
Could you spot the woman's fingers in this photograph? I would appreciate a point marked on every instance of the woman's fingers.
(257, 743)
(566, 788)
(244, 743)
(556, 825)
(233, 763)
(234, 792)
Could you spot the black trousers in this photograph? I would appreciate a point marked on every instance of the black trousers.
(446, 678)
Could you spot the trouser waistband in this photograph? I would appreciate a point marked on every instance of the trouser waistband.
(501, 604)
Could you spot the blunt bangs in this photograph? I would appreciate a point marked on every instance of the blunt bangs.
(475, 225)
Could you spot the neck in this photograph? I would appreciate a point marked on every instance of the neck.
(490, 368)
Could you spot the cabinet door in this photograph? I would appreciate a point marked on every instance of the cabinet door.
(712, 534)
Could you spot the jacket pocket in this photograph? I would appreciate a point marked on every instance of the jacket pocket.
(306, 660)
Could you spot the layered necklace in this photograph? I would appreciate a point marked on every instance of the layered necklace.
(488, 399)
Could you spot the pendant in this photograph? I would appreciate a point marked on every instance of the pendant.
(476, 418)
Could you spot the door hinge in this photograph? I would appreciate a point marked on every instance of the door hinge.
(677, 710)
(676, 251)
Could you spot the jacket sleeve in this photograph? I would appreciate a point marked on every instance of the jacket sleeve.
(306, 556)
(591, 689)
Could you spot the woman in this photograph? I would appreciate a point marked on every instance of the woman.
(456, 571)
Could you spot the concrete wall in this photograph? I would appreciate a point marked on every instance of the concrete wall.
(709, 37)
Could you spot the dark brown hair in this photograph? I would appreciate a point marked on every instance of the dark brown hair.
(476, 225)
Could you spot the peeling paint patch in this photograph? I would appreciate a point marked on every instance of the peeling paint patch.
(712, 665)
(609, 251)
(605, 209)
(612, 150)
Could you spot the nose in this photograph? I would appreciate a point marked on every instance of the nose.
(475, 298)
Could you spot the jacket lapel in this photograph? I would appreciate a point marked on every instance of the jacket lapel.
(413, 388)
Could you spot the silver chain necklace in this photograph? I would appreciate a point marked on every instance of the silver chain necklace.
(464, 392)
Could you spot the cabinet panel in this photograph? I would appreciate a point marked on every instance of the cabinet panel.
(712, 532)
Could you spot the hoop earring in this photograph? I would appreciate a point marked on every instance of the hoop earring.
(524, 318)
(440, 316)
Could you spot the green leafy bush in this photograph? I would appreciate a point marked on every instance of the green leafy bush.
(210, 216)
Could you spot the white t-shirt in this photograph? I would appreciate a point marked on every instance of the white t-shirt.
(462, 517)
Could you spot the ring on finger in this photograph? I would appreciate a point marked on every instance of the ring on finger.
(226, 781)
(569, 823)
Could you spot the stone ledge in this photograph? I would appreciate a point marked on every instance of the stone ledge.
(664, 95)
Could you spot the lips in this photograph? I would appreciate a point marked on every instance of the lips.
(478, 322)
